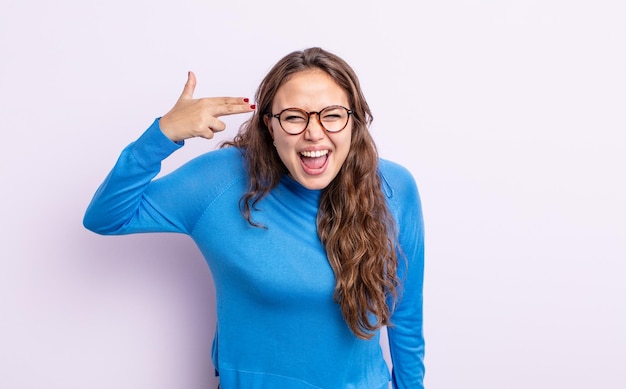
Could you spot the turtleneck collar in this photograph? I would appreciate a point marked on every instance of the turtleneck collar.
(299, 190)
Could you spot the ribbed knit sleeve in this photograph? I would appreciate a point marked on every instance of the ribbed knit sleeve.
(119, 205)
(406, 340)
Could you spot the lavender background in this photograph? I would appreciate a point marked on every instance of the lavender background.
(510, 114)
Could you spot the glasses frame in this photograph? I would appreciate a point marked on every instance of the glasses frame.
(308, 118)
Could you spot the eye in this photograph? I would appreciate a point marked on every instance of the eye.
(331, 117)
(333, 114)
(293, 116)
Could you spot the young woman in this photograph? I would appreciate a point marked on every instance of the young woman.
(313, 241)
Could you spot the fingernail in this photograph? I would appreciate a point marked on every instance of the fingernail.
(252, 106)
(245, 100)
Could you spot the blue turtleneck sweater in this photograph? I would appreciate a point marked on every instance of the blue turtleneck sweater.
(278, 325)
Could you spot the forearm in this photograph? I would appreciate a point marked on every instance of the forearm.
(406, 338)
(407, 353)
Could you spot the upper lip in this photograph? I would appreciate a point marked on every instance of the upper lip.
(312, 150)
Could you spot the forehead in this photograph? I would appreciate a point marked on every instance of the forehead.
(311, 89)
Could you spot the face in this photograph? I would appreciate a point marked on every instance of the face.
(315, 156)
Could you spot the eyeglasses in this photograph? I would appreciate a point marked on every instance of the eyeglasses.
(295, 120)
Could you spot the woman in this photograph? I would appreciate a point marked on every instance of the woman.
(314, 243)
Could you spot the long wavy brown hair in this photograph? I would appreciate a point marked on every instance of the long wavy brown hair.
(353, 222)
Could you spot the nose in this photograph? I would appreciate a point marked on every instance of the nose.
(314, 130)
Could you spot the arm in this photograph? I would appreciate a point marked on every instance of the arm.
(128, 200)
(119, 205)
(406, 340)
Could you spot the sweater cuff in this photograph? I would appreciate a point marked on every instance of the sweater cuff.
(153, 146)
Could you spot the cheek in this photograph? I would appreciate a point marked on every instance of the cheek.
(280, 141)
(284, 146)
(344, 141)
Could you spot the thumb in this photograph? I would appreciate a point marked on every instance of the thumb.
(190, 86)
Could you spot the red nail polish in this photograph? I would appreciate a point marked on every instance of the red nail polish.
(252, 106)
(245, 100)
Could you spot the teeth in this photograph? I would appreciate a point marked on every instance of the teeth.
(314, 154)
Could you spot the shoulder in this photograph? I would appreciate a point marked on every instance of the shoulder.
(403, 198)
(392, 168)
(226, 155)
(225, 161)
(397, 180)
(210, 172)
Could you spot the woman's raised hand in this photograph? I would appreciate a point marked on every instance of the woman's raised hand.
(191, 117)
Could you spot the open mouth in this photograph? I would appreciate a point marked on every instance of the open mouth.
(314, 162)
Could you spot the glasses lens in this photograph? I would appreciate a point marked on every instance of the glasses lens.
(293, 120)
(334, 118)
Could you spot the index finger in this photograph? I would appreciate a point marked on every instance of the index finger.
(221, 106)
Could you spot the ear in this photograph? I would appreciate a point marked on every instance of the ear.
(268, 124)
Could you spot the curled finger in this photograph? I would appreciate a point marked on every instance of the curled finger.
(216, 125)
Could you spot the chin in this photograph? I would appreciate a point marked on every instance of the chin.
(313, 183)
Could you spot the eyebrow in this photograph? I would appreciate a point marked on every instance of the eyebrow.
(318, 110)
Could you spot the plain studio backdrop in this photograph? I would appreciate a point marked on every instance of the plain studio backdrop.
(510, 115)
